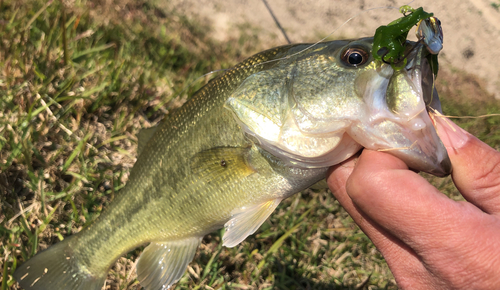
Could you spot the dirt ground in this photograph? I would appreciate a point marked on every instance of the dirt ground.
(471, 27)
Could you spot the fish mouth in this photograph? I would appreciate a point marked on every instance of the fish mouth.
(400, 123)
(427, 153)
(420, 70)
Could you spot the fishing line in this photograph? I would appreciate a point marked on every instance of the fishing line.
(277, 21)
(471, 117)
(437, 113)
(288, 56)
(324, 38)
(315, 44)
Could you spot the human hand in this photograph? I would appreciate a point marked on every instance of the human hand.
(428, 240)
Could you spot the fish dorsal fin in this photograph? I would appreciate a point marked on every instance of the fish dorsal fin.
(143, 137)
(221, 163)
(246, 220)
(163, 263)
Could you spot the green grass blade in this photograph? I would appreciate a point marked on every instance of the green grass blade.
(280, 241)
(75, 152)
(5, 273)
(277, 245)
(47, 220)
(92, 50)
(28, 25)
(209, 264)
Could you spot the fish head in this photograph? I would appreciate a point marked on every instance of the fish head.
(399, 104)
(317, 106)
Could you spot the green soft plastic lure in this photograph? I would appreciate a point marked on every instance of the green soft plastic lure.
(389, 40)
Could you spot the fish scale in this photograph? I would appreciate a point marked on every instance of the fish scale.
(244, 142)
(183, 126)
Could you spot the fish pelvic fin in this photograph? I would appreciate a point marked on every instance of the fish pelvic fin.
(162, 264)
(246, 220)
(57, 269)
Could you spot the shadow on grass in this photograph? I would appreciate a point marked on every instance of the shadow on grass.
(288, 278)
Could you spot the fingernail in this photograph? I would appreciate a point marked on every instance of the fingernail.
(450, 133)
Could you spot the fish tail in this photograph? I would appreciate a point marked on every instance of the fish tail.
(57, 269)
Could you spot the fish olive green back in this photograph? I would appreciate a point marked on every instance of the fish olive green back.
(163, 199)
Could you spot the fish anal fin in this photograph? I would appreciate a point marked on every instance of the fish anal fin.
(245, 221)
(143, 137)
(221, 163)
(163, 263)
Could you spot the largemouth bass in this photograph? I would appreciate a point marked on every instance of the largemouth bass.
(262, 131)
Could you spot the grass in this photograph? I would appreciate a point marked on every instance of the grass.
(78, 79)
(495, 5)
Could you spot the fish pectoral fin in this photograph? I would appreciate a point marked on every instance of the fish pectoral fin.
(245, 221)
(143, 137)
(163, 263)
(221, 163)
(320, 185)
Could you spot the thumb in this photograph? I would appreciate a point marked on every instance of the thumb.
(476, 170)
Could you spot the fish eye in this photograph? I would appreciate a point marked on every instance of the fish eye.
(354, 56)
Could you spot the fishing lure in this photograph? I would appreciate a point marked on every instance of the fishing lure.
(430, 33)
(389, 40)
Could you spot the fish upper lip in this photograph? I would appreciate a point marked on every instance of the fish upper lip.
(418, 69)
